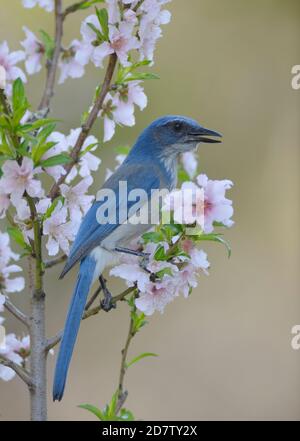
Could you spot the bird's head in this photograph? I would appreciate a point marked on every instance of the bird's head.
(177, 134)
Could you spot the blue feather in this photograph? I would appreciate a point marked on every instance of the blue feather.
(73, 320)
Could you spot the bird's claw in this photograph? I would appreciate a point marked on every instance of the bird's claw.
(107, 304)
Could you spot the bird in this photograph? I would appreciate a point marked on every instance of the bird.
(150, 165)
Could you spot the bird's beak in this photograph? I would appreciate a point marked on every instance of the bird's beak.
(204, 135)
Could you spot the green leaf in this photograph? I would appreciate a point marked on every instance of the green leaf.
(18, 237)
(165, 271)
(97, 32)
(48, 42)
(52, 207)
(125, 415)
(88, 149)
(111, 410)
(102, 15)
(141, 76)
(215, 238)
(32, 127)
(155, 237)
(94, 410)
(56, 160)
(122, 150)
(19, 102)
(160, 253)
(88, 4)
(18, 97)
(140, 357)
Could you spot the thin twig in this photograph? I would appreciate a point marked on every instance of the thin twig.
(73, 8)
(114, 300)
(52, 342)
(93, 298)
(16, 312)
(122, 395)
(54, 262)
(53, 62)
(19, 370)
(87, 126)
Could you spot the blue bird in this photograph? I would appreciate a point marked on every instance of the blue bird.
(150, 165)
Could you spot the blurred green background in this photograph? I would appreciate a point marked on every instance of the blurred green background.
(225, 353)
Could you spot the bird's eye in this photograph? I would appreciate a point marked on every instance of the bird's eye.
(178, 126)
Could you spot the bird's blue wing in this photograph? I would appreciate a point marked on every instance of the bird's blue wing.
(91, 232)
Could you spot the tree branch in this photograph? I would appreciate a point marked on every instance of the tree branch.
(87, 126)
(52, 342)
(16, 312)
(54, 262)
(53, 62)
(19, 370)
(122, 395)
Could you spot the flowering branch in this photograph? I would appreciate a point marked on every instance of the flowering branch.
(86, 127)
(52, 342)
(53, 62)
(20, 371)
(122, 395)
(16, 312)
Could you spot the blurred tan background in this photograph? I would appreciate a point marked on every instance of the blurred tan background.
(224, 353)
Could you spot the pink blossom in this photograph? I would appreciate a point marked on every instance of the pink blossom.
(2, 301)
(155, 296)
(119, 109)
(4, 203)
(59, 231)
(122, 41)
(17, 179)
(6, 255)
(187, 204)
(190, 163)
(217, 208)
(88, 161)
(132, 273)
(34, 51)
(69, 65)
(48, 5)
(152, 17)
(89, 49)
(58, 170)
(8, 351)
(76, 200)
(8, 61)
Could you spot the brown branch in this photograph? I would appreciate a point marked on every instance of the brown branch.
(122, 395)
(53, 62)
(52, 342)
(16, 312)
(93, 298)
(54, 262)
(87, 126)
(73, 8)
(19, 370)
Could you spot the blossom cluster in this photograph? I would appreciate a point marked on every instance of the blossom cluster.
(175, 256)
(128, 29)
(62, 218)
(13, 348)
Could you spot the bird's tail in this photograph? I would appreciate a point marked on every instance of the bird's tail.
(74, 317)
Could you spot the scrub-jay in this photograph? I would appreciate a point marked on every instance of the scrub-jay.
(150, 165)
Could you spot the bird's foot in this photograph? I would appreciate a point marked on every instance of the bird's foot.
(107, 304)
